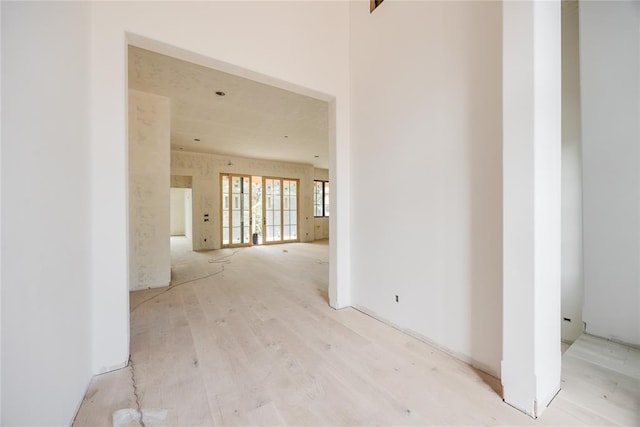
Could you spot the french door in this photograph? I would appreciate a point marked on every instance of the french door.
(241, 221)
(280, 210)
(236, 210)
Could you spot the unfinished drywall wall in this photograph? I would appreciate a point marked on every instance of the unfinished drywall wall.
(610, 103)
(572, 278)
(296, 45)
(427, 183)
(321, 225)
(149, 191)
(46, 235)
(206, 169)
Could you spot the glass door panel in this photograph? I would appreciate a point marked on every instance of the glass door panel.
(226, 224)
(236, 210)
(272, 209)
(281, 209)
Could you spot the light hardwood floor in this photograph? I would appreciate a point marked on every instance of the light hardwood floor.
(246, 337)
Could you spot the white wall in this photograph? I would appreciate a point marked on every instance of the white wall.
(301, 43)
(178, 211)
(46, 312)
(427, 171)
(0, 211)
(149, 191)
(610, 98)
(572, 278)
(206, 169)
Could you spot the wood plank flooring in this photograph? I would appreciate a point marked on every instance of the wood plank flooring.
(246, 337)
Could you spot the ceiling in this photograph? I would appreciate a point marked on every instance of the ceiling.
(251, 120)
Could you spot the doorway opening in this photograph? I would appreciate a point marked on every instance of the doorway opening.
(181, 213)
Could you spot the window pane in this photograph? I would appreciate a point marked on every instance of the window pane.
(326, 199)
(225, 184)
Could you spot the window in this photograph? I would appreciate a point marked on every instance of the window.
(320, 198)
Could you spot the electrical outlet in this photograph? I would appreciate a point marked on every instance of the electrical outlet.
(397, 298)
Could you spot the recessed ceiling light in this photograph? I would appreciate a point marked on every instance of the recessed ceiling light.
(196, 139)
(220, 93)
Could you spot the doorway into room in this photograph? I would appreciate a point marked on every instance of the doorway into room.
(181, 212)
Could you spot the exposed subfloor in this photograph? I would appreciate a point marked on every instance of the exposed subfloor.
(246, 337)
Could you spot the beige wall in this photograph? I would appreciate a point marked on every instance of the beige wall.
(149, 196)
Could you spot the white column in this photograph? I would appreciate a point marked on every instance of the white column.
(531, 353)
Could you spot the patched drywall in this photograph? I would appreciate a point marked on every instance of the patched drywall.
(149, 191)
(205, 170)
(181, 181)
